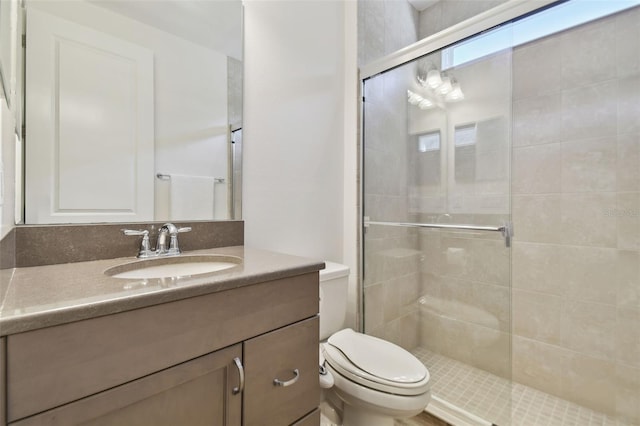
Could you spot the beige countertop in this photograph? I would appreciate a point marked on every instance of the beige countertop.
(43, 296)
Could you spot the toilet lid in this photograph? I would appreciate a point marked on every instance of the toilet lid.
(378, 358)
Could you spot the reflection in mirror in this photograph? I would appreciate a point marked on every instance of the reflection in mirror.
(130, 110)
(458, 121)
(479, 125)
(429, 149)
(481, 151)
(492, 156)
(5, 49)
(464, 139)
(425, 169)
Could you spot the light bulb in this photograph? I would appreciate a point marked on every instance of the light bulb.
(445, 87)
(455, 94)
(425, 103)
(413, 98)
(433, 79)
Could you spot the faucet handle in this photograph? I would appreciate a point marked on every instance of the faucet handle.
(145, 246)
(173, 243)
(171, 229)
(135, 232)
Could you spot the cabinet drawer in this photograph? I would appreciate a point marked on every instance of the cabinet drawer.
(57, 365)
(276, 355)
(196, 393)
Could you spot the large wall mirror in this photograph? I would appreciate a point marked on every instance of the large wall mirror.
(133, 110)
(5, 51)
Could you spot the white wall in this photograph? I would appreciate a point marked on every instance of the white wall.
(294, 118)
(300, 140)
(351, 159)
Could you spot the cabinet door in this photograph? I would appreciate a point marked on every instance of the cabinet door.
(3, 399)
(197, 392)
(289, 355)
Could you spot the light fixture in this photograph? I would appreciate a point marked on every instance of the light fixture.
(425, 104)
(456, 92)
(437, 88)
(413, 98)
(445, 87)
(418, 100)
(434, 79)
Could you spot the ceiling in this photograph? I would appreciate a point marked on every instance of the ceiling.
(215, 24)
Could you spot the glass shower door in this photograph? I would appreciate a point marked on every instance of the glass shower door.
(436, 201)
(533, 121)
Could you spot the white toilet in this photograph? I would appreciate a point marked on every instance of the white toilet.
(368, 381)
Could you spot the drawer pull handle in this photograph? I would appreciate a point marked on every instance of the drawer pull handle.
(240, 368)
(296, 376)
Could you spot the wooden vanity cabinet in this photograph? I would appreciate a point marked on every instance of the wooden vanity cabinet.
(174, 363)
(196, 393)
(3, 398)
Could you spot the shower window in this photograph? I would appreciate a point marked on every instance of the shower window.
(429, 142)
(542, 24)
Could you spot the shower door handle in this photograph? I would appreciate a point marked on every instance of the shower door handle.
(506, 229)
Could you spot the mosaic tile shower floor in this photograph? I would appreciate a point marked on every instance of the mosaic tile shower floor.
(499, 401)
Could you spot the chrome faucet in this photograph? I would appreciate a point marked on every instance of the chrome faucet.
(167, 230)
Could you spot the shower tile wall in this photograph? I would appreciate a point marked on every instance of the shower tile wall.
(465, 301)
(576, 209)
(384, 26)
(391, 278)
(447, 13)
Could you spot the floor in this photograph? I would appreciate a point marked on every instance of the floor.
(423, 419)
(499, 401)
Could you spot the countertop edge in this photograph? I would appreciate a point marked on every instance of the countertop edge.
(32, 321)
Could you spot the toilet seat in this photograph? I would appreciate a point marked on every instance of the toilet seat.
(375, 363)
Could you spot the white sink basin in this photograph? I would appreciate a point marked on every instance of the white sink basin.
(175, 266)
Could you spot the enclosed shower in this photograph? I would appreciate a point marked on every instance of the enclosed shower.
(501, 212)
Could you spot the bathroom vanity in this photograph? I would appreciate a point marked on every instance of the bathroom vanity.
(236, 347)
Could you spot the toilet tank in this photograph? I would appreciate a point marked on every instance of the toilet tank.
(334, 280)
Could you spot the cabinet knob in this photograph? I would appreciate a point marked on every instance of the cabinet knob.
(284, 384)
